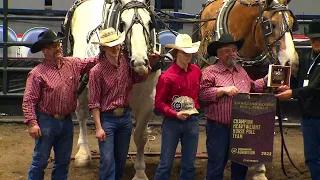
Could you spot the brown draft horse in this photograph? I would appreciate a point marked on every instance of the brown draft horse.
(266, 26)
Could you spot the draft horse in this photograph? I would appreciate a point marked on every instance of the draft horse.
(82, 24)
(266, 26)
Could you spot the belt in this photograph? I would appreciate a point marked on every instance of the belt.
(118, 111)
(59, 116)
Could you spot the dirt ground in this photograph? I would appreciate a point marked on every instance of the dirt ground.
(16, 149)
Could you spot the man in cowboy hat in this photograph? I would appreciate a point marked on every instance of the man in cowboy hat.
(110, 83)
(177, 99)
(307, 91)
(219, 83)
(50, 97)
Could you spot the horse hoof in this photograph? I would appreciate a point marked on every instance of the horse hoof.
(259, 177)
(82, 161)
(140, 175)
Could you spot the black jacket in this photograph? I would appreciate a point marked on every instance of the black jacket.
(309, 96)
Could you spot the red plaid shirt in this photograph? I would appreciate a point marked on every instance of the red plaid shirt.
(176, 82)
(111, 86)
(217, 75)
(51, 90)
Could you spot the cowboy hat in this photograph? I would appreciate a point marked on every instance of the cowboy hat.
(314, 29)
(184, 43)
(109, 37)
(45, 38)
(225, 39)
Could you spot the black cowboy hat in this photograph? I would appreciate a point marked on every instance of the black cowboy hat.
(314, 29)
(225, 39)
(45, 38)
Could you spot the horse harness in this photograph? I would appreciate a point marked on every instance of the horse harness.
(221, 27)
(150, 37)
(267, 26)
(112, 18)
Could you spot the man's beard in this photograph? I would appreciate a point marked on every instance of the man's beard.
(231, 61)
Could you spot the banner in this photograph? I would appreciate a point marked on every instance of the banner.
(252, 128)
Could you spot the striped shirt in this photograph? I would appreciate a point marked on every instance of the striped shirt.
(111, 86)
(51, 90)
(217, 75)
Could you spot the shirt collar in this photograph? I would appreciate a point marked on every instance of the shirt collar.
(121, 57)
(223, 68)
(53, 64)
(177, 68)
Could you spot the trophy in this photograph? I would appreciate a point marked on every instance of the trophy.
(279, 75)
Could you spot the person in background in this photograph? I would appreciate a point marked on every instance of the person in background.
(307, 91)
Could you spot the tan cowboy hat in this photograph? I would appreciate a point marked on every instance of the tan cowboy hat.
(109, 37)
(184, 43)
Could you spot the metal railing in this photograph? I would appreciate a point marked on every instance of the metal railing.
(5, 17)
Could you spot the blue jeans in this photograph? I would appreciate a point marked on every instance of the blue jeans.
(59, 135)
(311, 141)
(187, 132)
(218, 140)
(114, 149)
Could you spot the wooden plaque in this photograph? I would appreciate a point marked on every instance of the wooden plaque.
(279, 75)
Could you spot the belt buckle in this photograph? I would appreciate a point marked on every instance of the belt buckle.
(118, 112)
(59, 116)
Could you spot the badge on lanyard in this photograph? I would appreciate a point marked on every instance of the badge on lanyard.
(305, 82)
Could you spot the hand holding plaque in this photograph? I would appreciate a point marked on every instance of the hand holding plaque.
(279, 75)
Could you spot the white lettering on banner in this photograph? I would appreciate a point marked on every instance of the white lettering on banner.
(92, 49)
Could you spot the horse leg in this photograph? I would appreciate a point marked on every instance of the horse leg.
(143, 104)
(260, 172)
(140, 139)
(83, 157)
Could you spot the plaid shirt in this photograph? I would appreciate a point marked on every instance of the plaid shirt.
(51, 90)
(111, 86)
(217, 75)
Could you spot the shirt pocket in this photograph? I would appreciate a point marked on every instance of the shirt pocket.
(71, 80)
(178, 86)
(223, 82)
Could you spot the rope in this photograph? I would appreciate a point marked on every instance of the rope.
(283, 144)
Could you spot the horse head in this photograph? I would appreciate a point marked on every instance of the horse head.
(277, 23)
(137, 20)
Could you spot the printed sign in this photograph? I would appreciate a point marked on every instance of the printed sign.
(252, 129)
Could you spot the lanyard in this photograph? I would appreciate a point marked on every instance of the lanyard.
(314, 60)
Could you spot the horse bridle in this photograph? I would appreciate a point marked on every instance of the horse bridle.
(136, 19)
(267, 28)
